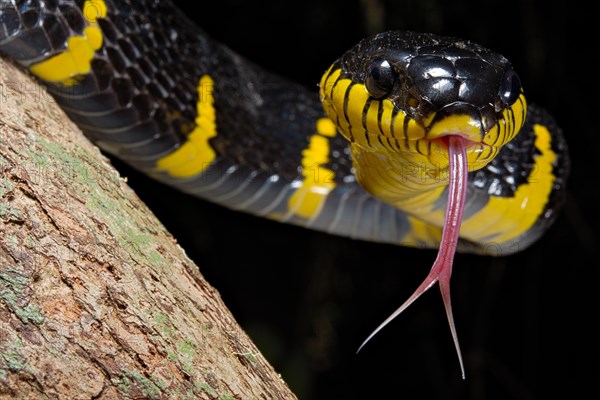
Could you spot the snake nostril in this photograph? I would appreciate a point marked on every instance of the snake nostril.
(488, 118)
(412, 101)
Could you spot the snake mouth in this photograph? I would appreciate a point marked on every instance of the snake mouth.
(466, 123)
(477, 152)
(467, 142)
(462, 121)
(471, 146)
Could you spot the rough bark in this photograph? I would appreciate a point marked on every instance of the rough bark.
(97, 300)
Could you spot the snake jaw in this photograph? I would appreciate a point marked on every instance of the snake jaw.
(441, 271)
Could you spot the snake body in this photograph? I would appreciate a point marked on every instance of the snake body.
(365, 158)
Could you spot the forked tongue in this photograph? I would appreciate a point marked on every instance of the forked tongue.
(442, 266)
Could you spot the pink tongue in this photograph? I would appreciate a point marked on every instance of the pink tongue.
(442, 266)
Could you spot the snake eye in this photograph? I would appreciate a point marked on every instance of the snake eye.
(510, 87)
(381, 78)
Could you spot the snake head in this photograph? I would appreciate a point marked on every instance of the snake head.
(420, 111)
(402, 91)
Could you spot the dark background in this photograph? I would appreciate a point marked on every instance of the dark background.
(525, 322)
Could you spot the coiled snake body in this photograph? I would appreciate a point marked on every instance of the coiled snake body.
(382, 153)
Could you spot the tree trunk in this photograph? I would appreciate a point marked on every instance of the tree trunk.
(97, 300)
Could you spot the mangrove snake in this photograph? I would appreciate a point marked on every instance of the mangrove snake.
(412, 138)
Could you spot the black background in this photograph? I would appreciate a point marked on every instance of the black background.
(525, 322)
